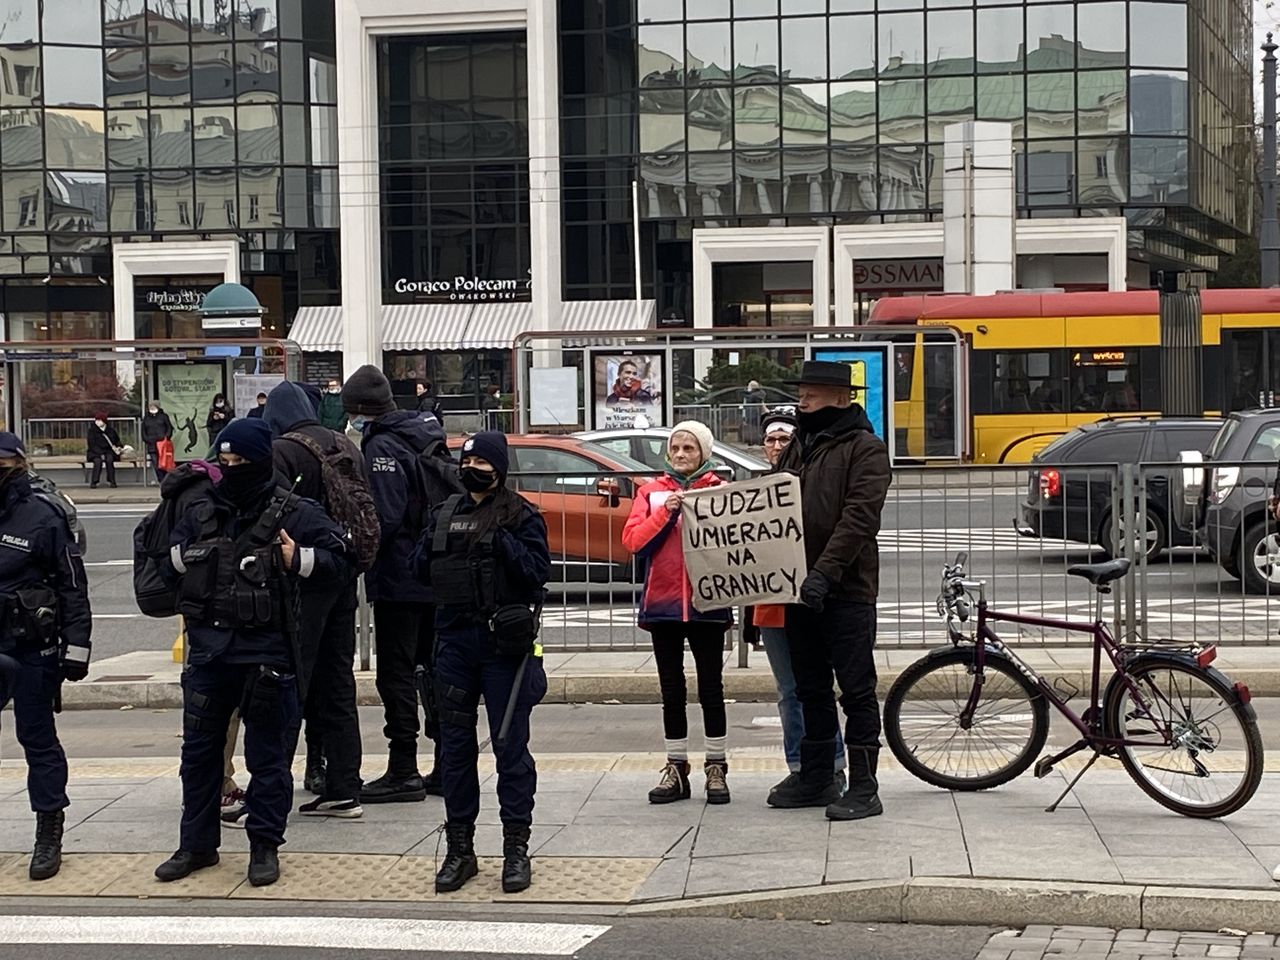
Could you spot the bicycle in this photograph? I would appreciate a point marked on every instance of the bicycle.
(974, 715)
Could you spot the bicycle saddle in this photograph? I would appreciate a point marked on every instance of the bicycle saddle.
(1100, 573)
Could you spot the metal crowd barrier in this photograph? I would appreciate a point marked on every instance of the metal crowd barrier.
(1022, 527)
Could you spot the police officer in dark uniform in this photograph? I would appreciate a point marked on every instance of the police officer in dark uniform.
(45, 624)
(485, 554)
(236, 558)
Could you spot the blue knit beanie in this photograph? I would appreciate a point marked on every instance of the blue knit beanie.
(490, 445)
(246, 437)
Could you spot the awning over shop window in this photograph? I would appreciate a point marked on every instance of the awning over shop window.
(608, 315)
(317, 329)
(424, 326)
(495, 325)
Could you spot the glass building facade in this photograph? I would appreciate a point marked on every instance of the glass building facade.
(800, 112)
(164, 120)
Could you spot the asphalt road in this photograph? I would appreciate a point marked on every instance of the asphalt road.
(923, 529)
(257, 927)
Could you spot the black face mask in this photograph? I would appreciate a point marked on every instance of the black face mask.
(8, 475)
(819, 420)
(477, 480)
(246, 482)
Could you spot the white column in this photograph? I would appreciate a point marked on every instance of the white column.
(359, 214)
(978, 209)
(545, 238)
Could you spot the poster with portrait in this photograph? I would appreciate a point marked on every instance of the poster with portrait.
(185, 391)
(626, 387)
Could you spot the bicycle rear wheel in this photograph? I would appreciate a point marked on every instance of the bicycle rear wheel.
(1194, 748)
(923, 729)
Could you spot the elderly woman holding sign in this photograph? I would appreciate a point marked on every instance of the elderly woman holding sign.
(667, 611)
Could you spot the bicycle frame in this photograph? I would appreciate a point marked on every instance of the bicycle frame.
(1090, 723)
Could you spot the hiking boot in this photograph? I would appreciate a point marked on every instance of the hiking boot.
(460, 859)
(184, 863)
(862, 799)
(815, 785)
(674, 784)
(46, 857)
(717, 788)
(264, 864)
(347, 809)
(517, 872)
(313, 781)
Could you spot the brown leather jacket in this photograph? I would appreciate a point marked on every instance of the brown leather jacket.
(844, 478)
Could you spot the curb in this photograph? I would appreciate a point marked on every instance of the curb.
(985, 902)
(742, 686)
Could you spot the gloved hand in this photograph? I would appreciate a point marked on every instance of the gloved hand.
(74, 669)
(814, 590)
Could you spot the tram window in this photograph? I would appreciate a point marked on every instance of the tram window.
(1105, 380)
(1027, 381)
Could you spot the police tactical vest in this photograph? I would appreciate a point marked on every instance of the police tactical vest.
(464, 570)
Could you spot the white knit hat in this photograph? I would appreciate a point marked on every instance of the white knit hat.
(701, 432)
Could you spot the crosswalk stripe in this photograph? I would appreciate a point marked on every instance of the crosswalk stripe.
(345, 933)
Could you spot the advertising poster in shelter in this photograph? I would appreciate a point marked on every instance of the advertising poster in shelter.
(185, 391)
(627, 386)
(744, 542)
(247, 388)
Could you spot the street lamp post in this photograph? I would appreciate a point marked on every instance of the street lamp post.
(1269, 242)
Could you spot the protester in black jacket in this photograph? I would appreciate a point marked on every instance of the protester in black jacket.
(428, 403)
(236, 558)
(156, 426)
(403, 614)
(328, 618)
(40, 567)
(103, 448)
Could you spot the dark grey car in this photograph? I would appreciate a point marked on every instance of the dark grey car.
(1231, 503)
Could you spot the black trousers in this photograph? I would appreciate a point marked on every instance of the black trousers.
(97, 469)
(706, 640)
(837, 644)
(328, 682)
(405, 634)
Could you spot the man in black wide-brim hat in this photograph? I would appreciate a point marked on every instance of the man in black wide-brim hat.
(844, 478)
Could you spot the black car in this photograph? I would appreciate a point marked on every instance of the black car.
(1076, 504)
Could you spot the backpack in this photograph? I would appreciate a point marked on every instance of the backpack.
(154, 595)
(438, 480)
(347, 498)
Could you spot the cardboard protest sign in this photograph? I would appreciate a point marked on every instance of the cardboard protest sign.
(744, 542)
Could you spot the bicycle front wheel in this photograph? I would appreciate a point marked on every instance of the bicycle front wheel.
(1190, 745)
(924, 729)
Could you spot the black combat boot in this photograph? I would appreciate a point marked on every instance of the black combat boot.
(816, 785)
(717, 788)
(517, 873)
(313, 781)
(401, 783)
(46, 858)
(862, 799)
(432, 782)
(183, 863)
(674, 784)
(460, 859)
(264, 864)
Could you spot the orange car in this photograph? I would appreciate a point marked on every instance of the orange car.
(584, 492)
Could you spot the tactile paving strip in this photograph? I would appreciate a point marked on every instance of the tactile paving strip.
(82, 875)
(324, 876)
(555, 880)
(217, 881)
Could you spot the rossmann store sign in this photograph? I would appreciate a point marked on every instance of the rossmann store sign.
(460, 289)
(896, 276)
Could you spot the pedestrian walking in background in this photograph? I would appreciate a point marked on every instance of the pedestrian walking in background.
(236, 558)
(410, 473)
(331, 471)
(753, 408)
(844, 479)
(485, 553)
(331, 413)
(103, 448)
(652, 532)
(779, 429)
(45, 630)
(220, 414)
(428, 403)
(257, 410)
(156, 426)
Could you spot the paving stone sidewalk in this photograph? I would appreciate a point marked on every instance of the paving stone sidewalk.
(1103, 943)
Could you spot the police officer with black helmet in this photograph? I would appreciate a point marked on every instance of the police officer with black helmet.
(45, 625)
(236, 559)
(486, 557)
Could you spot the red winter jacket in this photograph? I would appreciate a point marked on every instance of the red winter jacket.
(652, 533)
